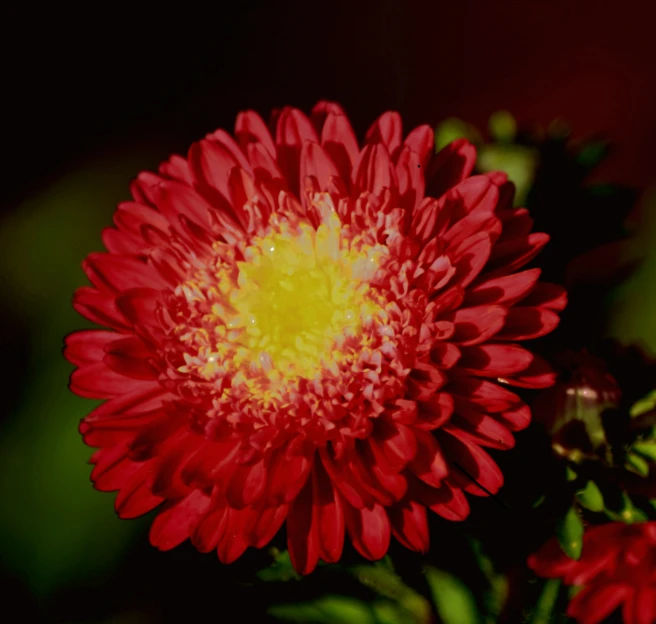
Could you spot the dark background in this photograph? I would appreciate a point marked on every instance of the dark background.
(74, 80)
(91, 96)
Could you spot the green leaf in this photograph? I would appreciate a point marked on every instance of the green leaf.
(546, 602)
(345, 609)
(570, 474)
(592, 153)
(628, 513)
(632, 319)
(387, 612)
(636, 464)
(570, 534)
(519, 162)
(646, 449)
(280, 570)
(453, 600)
(453, 128)
(644, 405)
(298, 612)
(591, 497)
(381, 578)
(502, 126)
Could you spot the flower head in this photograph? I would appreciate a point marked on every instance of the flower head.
(307, 331)
(617, 569)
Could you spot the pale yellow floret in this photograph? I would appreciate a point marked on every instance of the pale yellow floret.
(299, 295)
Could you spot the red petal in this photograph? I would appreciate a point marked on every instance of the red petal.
(514, 254)
(176, 199)
(551, 296)
(425, 220)
(387, 129)
(302, 538)
(329, 516)
(315, 162)
(474, 468)
(428, 464)
(551, 562)
(174, 525)
(264, 166)
(246, 485)
(211, 164)
(232, 543)
(264, 524)
(396, 441)
(130, 357)
(434, 411)
(476, 325)
(287, 474)
(373, 172)
(131, 217)
(480, 428)
(516, 419)
(117, 273)
(99, 307)
(524, 323)
(210, 529)
(420, 141)
(539, 374)
(135, 498)
(250, 128)
(517, 223)
(495, 360)
(507, 289)
(293, 128)
(140, 307)
(642, 608)
(410, 525)
(410, 179)
(338, 139)
(369, 530)
(595, 603)
(176, 168)
(88, 346)
(452, 164)
(96, 381)
(320, 112)
(489, 395)
(470, 257)
(352, 491)
(446, 501)
(118, 242)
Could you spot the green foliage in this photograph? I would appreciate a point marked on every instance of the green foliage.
(627, 512)
(453, 128)
(453, 600)
(644, 405)
(280, 570)
(633, 314)
(502, 126)
(591, 497)
(543, 612)
(56, 530)
(569, 531)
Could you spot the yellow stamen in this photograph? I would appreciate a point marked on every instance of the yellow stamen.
(297, 298)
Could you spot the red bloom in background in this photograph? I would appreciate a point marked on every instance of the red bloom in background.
(304, 330)
(617, 568)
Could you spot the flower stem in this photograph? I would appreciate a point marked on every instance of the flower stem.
(546, 602)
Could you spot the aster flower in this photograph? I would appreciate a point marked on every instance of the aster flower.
(617, 569)
(310, 332)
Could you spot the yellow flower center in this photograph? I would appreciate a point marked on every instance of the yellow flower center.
(298, 304)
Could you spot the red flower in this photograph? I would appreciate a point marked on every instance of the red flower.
(304, 330)
(617, 567)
